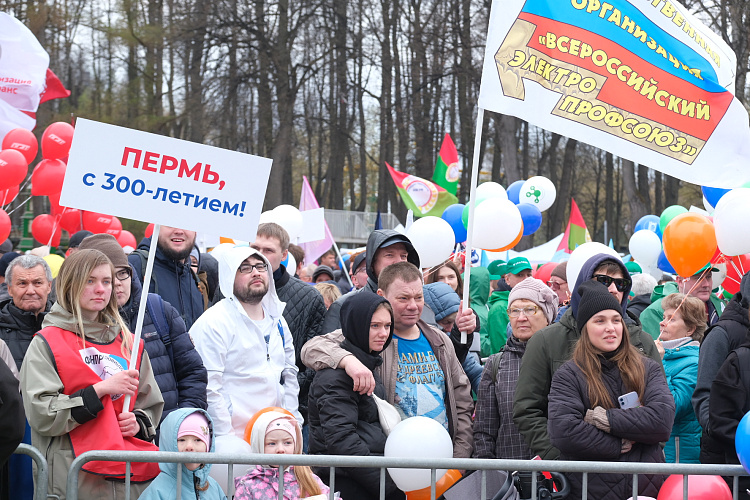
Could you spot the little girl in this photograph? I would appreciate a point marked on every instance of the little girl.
(275, 432)
(185, 430)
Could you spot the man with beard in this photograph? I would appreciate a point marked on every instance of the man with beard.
(246, 345)
(172, 278)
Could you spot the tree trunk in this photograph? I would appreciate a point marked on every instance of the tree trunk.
(636, 201)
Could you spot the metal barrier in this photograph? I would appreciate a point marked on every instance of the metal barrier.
(407, 463)
(42, 472)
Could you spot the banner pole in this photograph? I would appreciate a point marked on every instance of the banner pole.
(470, 227)
(142, 307)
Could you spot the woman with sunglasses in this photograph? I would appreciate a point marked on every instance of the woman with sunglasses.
(533, 306)
(177, 366)
(552, 346)
(609, 403)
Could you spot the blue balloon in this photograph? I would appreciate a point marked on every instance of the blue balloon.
(452, 215)
(650, 222)
(513, 191)
(664, 264)
(742, 441)
(713, 195)
(531, 216)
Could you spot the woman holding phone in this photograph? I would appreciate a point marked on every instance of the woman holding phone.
(609, 402)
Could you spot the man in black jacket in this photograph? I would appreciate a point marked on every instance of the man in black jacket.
(304, 310)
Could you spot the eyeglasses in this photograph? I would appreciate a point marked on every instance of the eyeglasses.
(527, 311)
(246, 268)
(555, 285)
(622, 284)
(124, 273)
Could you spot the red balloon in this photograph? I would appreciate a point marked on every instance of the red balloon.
(42, 228)
(47, 178)
(70, 220)
(23, 141)
(13, 168)
(544, 273)
(126, 239)
(114, 228)
(96, 222)
(8, 195)
(149, 230)
(699, 488)
(4, 226)
(737, 266)
(56, 140)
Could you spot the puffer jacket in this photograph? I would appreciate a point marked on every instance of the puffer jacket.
(498, 322)
(173, 281)
(681, 367)
(547, 350)
(17, 328)
(164, 486)
(182, 380)
(304, 313)
(479, 293)
(576, 439)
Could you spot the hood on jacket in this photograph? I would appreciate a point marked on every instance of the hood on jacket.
(745, 290)
(60, 318)
(258, 434)
(230, 260)
(168, 442)
(381, 238)
(479, 286)
(587, 272)
(129, 311)
(661, 291)
(356, 315)
(441, 299)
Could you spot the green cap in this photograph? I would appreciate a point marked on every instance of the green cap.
(705, 268)
(633, 267)
(517, 264)
(496, 269)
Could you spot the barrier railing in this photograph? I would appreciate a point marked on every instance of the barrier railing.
(382, 463)
(42, 472)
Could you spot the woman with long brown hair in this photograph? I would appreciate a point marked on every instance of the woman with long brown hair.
(75, 377)
(609, 402)
(448, 273)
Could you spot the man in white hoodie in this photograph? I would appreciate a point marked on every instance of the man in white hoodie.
(246, 345)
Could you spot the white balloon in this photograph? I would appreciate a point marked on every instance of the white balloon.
(645, 247)
(497, 223)
(487, 190)
(291, 265)
(729, 221)
(580, 255)
(266, 216)
(417, 437)
(230, 444)
(433, 238)
(718, 277)
(538, 191)
(290, 218)
(707, 205)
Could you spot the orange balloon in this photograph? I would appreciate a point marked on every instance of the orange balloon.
(441, 486)
(515, 242)
(222, 239)
(251, 423)
(689, 243)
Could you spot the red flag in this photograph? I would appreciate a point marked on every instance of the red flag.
(54, 89)
(576, 233)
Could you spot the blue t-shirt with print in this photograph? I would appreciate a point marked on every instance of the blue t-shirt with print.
(420, 383)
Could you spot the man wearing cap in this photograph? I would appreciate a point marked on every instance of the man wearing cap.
(359, 270)
(497, 270)
(75, 241)
(322, 273)
(698, 285)
(515, 271)
(558, 282)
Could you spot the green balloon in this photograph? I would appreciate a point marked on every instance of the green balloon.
(668, 214)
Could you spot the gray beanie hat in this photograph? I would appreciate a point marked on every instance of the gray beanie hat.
(540, 294)
(107, 244)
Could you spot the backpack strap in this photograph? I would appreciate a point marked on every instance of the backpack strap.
(743, 356)
(281, 332)
(155, 306)
(495, 365)
(143, 255)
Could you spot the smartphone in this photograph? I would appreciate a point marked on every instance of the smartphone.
(629, 400)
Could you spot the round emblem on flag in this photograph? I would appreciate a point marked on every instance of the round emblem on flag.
(452, 173)
(423, 194)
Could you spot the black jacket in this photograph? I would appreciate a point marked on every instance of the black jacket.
(182, 380)
(12, 416)
(17, 328)
(344, 422)
(639, 303)
(304, 312)
(576, 439)
(173, 281)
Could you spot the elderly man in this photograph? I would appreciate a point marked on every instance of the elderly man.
(246, 345)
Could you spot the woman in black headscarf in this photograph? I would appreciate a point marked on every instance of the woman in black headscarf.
(344, 422)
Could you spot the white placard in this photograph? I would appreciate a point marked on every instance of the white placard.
(314, 228)
(154, 178)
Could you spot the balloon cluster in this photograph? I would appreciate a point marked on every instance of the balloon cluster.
(19, 149)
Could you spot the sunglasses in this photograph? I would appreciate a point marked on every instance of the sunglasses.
(622, 284)
(555, 285)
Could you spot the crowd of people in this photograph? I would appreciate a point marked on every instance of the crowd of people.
(613, 367)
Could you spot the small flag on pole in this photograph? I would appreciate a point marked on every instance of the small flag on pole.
(446, 169)
(421, 196)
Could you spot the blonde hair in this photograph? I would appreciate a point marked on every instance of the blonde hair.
(308, 486)
(329, 291)
(70, 283)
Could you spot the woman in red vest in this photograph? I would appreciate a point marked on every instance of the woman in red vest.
(74, 380)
